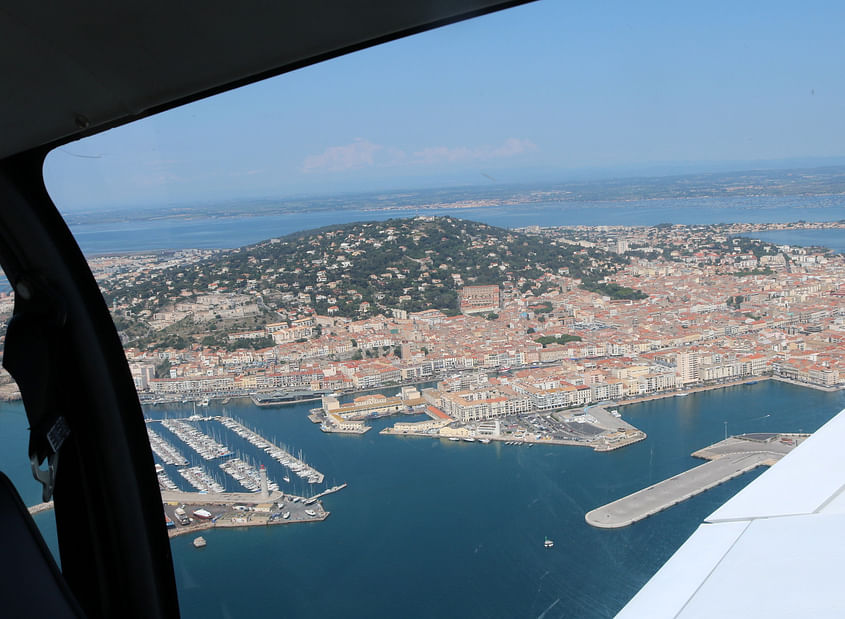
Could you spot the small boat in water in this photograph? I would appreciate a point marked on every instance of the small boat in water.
(548, 543)
(200, 542)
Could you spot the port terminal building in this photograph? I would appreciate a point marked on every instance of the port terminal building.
(371, 405)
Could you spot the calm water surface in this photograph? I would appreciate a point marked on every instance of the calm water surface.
(232, 232)
(833, 238)
(434, 528)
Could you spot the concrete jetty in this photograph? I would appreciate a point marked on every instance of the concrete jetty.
(672, 491)
(40, 507)
(727, 459)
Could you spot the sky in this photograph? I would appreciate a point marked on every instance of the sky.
(552, 91)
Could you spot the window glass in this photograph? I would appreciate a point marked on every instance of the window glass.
(14, 437)
(469, 287)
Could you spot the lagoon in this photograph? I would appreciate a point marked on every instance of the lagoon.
(239, 229)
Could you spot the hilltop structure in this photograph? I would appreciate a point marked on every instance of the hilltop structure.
(479, 299)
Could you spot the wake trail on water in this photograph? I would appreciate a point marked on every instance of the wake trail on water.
(551, 606)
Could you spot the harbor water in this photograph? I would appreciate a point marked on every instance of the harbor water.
(436, 528)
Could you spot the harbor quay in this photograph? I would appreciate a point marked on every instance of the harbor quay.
(599, 427)
(727, 459)
(191, 512)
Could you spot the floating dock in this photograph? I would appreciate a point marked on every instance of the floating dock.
(164, 450)
(280, 454)
(728, 459)
(201, 443)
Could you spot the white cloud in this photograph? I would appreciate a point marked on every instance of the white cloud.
(512, 147)
(358, 154)
(445, 154)
(363, 153)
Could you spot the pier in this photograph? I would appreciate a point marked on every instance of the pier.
(164, 450)
(331, 490)
(201, 443)
(727, 459)
(200, 479)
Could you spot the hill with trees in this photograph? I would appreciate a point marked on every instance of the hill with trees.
(360, 269)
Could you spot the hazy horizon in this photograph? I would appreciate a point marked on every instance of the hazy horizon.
(546, 92)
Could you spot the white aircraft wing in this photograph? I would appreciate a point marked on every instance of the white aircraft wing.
(776, 549)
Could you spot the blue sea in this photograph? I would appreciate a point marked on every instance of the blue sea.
(431, 528)
(229, 232)
(833, 238)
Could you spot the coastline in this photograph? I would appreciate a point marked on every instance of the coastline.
(691, 390)
(744, 381)
(180, 399)
(798, 383)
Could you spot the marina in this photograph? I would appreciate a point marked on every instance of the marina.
(201, 443)
(727, 459)
(164, 450)
(164, 482)
(280, 454)
(246, 475)
(200, 479)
